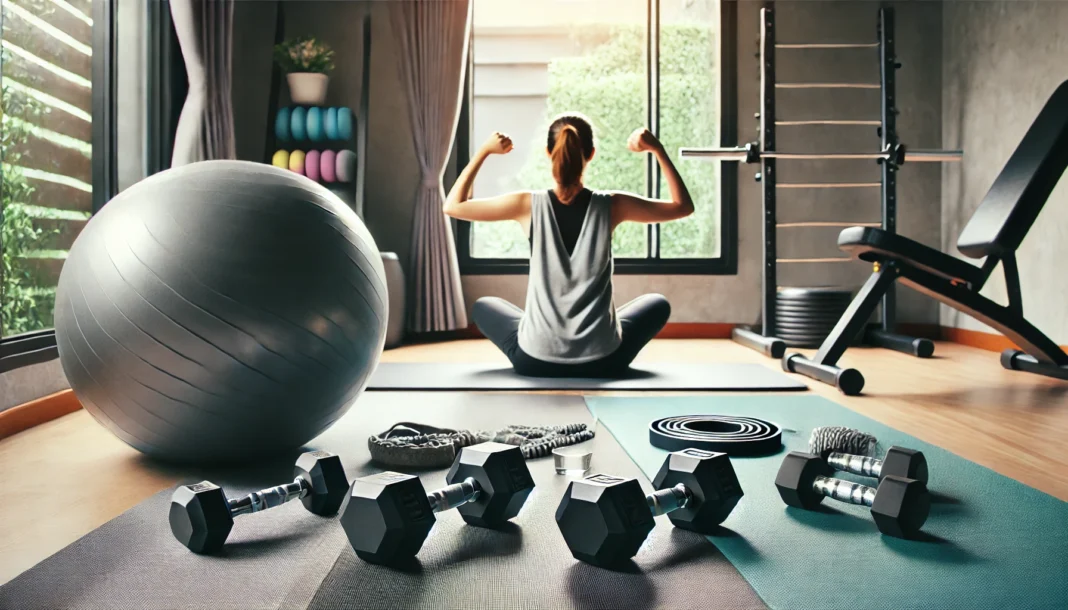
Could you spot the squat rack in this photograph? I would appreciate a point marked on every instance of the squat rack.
(891, 156)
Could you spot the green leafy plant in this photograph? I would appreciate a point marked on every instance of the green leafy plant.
(23, 305)
(607, 83)
(304, 54)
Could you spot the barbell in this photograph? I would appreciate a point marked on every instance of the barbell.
(751, 153)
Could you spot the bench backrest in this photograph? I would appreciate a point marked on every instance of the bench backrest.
(1011, 206)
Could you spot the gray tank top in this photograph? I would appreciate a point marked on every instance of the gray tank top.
(570, 316)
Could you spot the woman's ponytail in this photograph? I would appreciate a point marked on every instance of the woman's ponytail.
(570, 147)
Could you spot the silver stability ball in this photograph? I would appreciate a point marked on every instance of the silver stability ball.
(221, 311)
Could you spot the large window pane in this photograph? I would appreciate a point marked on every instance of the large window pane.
(689, 116)
(534, 60)
(45, 144)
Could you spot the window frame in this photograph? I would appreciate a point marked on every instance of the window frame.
(39, 346)
(727, 262)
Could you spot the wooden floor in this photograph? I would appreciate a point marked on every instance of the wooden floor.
(67, 477)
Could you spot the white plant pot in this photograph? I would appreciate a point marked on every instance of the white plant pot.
(307, 88)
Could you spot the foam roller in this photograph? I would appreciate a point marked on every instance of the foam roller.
(296, 161)
(298, 124)
(330, 123)
(344, 123)
(281, 125)
(312, 165)
(315, 124)
(346, 166)
(281, 159)
(327, 166)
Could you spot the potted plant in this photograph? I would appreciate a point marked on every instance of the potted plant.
(307, 63)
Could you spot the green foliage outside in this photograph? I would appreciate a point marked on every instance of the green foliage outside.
(608, 85)
(23, 305)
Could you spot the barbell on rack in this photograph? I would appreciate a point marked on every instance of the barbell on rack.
(751, 153)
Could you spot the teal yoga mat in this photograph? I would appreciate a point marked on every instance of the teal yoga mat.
(992, 542)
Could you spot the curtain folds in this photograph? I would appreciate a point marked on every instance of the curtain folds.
(432, 39)
(206, 125)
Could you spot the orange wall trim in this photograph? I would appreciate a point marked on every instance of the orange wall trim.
(983, 340)
(28, 415)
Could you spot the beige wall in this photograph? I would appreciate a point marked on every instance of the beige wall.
(1001, 62)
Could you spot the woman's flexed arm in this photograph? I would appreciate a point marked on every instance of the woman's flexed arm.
(632, 208)
(510, 206)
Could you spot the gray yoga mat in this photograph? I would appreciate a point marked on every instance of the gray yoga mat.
(289, 558)
(462, 376)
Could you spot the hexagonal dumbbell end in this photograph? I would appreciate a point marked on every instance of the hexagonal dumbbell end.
(388, 517)
(326, 476)
(796, 477)
(200, 517)
(604, 519)
(501, 471)
(901, 506)
(904, 462)
(712, 482)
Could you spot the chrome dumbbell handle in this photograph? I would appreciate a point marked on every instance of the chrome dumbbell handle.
(855, 464)
(269, 498)
(664, 501)
(454, 495)
(845, 491)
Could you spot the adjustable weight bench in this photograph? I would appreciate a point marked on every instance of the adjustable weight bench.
(994, 231)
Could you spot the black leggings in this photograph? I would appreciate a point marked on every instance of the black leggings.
(639, 320)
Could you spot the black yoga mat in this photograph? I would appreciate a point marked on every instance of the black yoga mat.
(462, 376)
(288, 558)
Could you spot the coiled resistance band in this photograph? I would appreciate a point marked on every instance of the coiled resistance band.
(728, 434)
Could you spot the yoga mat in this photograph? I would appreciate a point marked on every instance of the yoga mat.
(289, 558)
(644, 376)
(990, 542)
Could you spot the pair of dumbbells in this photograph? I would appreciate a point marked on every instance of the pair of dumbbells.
(388, 516)
(605, 519)
(899, 505)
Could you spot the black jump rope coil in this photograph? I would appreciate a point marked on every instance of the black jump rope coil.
(736, 436)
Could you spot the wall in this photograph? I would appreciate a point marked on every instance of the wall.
(1001, 62)
(736, 299)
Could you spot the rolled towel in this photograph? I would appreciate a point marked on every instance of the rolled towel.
(312, 164)
(296, 161)
(346, 166)
(281, 125)
(281, 159)
(315, 124)
(298, 124)
(344, 123)
(330, 123)
(327, 166)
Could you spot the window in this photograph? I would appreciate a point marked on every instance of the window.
(52, 117)
(624, 64)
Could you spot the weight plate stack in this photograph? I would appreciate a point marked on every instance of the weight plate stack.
(805, 316)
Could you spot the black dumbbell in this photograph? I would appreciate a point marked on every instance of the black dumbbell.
(202, 516)
(899, 505)
(389, 514)
(899, 462)
(605, 519)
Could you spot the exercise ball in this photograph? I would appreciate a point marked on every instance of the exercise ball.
(315, 124)
(281, 125)
(221, 311)
(330, 123)
(298, 124)
(328, 166)
(296, 161)
(311, 164)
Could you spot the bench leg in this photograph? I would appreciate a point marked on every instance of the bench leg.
(769, 346)
(823, 367)
(921, 348)
(1014, 359)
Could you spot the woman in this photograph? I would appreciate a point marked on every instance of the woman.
(570, 327)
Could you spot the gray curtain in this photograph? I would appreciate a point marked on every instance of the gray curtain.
(206, 125)
(431, 38)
